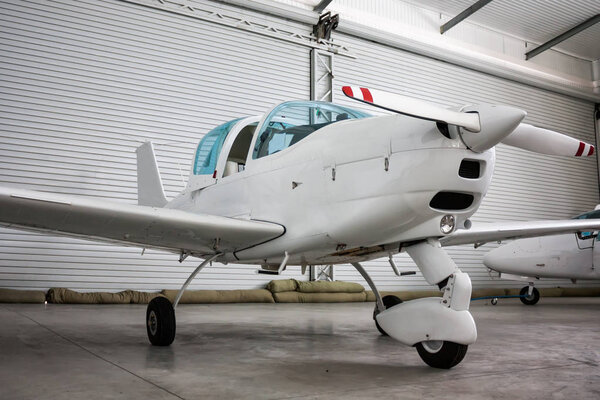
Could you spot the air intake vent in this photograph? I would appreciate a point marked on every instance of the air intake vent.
(451, 201)
(469, 169)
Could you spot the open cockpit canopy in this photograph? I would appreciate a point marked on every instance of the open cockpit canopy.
(292, 121)
(209, 148)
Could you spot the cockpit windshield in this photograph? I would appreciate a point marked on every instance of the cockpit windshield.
(292, 121)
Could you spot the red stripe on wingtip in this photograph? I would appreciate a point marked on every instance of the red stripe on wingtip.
(591, 151)
(347, 91)
(366, 94)
(580, 149)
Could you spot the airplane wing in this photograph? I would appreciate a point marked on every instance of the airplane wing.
(491, 232)
(162, 228)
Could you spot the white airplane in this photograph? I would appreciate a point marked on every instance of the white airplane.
(570, 256)
(314, 183)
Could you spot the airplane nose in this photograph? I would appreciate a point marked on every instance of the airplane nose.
(497, 258)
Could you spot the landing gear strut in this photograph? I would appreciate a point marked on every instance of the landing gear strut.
(160, 314)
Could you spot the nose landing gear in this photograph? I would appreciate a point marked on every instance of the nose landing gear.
(529, 295)
(441, 328)
(441, 354)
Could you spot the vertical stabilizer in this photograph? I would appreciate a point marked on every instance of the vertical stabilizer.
(150, 187)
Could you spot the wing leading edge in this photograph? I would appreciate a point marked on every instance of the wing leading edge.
(484, 233)
(162, 228)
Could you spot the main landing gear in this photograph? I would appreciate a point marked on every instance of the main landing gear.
(160, 314)
(440, 328)
(160, 321)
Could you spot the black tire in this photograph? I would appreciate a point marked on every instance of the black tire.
(388, 302)
(494, 301)
(160, 321)
(529, 300)
(446, 356)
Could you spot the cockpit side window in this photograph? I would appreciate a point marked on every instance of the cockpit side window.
(209, 148)
(291, 122)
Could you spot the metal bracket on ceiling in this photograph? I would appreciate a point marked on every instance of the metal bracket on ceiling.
(205, 12)
(326, 24)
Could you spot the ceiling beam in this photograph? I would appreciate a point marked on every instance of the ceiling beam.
(322, 5)
(463, 15)
(553, 42)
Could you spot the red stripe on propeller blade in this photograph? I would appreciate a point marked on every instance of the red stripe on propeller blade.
(366, 95)
(347, 91)
(591, 151)
(580, 149)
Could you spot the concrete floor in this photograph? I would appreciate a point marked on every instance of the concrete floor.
(299, 351)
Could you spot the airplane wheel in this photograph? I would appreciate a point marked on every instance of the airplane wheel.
(441, 354)
(529, 300)
(160, 321)
(389, 302)
(494, 301)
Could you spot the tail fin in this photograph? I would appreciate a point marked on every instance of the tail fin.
(150, 187)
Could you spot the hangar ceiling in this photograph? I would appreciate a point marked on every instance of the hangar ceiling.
(535, 22)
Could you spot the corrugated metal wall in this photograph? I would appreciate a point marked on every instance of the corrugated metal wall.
(84, 83)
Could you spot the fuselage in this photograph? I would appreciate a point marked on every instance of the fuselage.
(352, 190)
(559, 256)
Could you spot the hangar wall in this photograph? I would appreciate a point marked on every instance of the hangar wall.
(84, 83)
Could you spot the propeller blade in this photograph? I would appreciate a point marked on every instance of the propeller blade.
(545, 141)
(413, 107)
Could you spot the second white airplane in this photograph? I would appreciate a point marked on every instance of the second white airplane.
(568, 256)
(314, 183)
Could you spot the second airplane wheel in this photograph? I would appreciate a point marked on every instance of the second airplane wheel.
(531, 299)
(160, 321)
(388, 301)
(441, 354)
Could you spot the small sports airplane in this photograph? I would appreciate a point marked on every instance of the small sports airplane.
(315, 183)
(571, 256)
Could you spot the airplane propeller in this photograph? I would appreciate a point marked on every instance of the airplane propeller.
(484, 125)
(413, 107)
